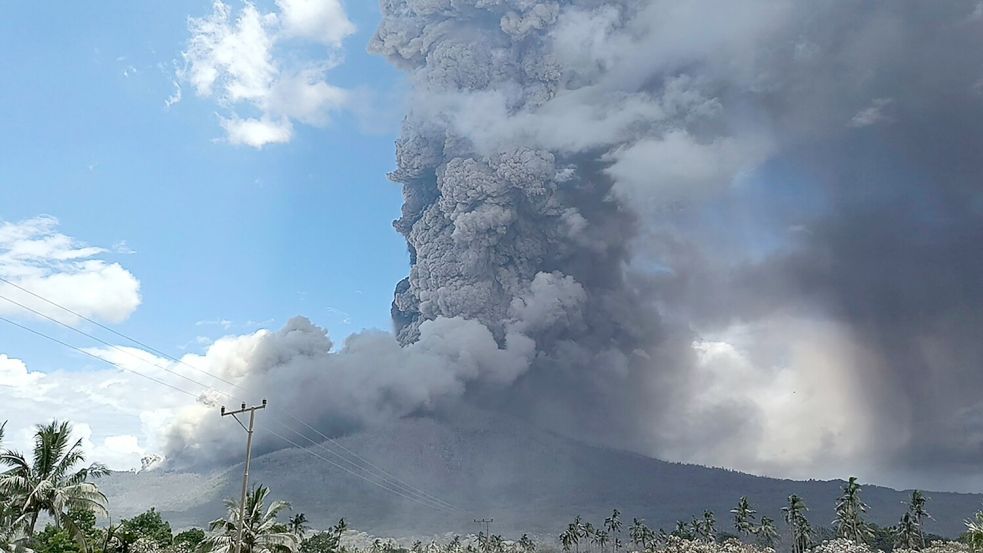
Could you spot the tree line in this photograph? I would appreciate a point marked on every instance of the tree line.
(55, 486)
(849, 523)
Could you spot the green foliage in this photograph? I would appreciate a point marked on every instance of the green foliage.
(744, 517)
(321, 542)
(149, 525)
(766, 533)
(706, 528)
(190, 539)
(882, 537)
(298, 524)
(328, 541)
(55, 540)
(50, 482)
(849, 522)
(799, 526)
(974, 532)
(263, 533)
(389, 546)
(147, 529)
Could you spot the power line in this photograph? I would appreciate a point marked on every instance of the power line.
(385, 474)
(195, 396)
(108, 344)
(341, 467)
(102, 326)
(368, 466)
(392, 482)
(96, 357)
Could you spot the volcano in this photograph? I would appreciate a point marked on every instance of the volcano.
(527, 479)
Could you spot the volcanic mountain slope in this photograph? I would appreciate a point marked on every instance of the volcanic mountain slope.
(527, 479)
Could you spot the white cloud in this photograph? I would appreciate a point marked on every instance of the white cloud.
(14, 374)
(175, 97)
(122, 248)
(118, 415)
(872, 114)
(257, 132)
(244, 62)
(321, 20)
(224, 323)
(35, 256)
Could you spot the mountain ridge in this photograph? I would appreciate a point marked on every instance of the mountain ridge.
(527, 479)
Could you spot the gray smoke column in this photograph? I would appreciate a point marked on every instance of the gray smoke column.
(782, 197)
(735, 235)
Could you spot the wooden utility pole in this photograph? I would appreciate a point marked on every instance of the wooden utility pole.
(249, 455)
(486, 522)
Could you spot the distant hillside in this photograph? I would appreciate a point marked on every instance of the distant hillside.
(527, 479)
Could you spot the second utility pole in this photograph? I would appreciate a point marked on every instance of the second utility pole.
(249, 454)
(486, 522)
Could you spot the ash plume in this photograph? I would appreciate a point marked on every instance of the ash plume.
(736, 237)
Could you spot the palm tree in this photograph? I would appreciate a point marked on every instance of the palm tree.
(849, 521)
(706, 528)
(601, 538)
(906, 533)
(589, 534)
(574, 531)
(612, 525)
(795, 518)
(974, 532)
(262, 532)
(744, 517)
(566, 540)
(12, 536)
(298, 524)
(638, 533)
(50, 483)
(526, 544)
(684, 530)
(766, 532)
(919, 514)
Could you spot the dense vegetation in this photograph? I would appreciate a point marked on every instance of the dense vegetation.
(55, 487)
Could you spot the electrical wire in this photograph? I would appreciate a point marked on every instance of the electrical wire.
(366, 465)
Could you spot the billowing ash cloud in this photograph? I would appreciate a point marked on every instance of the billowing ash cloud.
(371, 379)
(741, 237)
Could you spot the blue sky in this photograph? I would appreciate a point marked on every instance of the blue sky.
(223, 238)
(221, 232)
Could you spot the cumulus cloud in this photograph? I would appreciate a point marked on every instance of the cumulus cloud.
(323, 21)
(36, 257)
(108, 407)
(247, 61)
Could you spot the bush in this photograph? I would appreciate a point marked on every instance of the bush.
(842, 545)
(189, 540)
(679, 545)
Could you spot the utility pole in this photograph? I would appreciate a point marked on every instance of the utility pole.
(486, 522)
(249, 455)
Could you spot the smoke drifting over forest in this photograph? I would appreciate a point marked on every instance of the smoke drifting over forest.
(744, 237)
